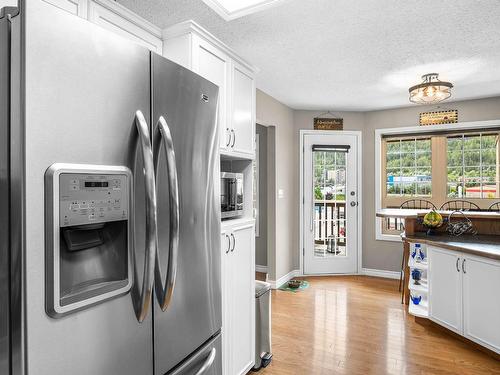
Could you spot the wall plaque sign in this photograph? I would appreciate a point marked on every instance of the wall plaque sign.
(328, 123)
(439, 117)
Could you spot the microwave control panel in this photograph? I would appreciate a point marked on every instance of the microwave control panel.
(87, 198)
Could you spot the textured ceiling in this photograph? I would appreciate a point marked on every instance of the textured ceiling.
(355, 54)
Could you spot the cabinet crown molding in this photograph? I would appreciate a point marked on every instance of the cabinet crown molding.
(188, 27)
(130, 16)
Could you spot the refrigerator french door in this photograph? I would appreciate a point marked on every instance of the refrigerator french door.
(185, 136)
(81, 96)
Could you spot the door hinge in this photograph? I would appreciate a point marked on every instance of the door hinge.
(303, 252)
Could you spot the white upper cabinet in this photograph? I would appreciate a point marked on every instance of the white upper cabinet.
(213, 65)
(116, 18)
(190, 45)
(76, 7)
(243, 110)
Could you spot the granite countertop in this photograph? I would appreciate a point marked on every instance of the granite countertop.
(481, 244)
(408, 213)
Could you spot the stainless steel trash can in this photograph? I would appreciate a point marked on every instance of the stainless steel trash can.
(263, 354)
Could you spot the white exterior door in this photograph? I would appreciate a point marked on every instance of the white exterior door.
(445, 288)
(330, 202)
(481, 278)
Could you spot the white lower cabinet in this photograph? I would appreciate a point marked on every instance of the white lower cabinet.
(445, 288)
(464, 295)
(238, 311)
(481, 295)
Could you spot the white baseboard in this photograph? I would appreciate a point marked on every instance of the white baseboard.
(261, 269)
(275, 284)
(380, 273)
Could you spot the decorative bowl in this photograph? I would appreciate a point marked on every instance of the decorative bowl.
(294, 284)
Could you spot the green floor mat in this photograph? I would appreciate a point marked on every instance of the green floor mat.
(303, 285)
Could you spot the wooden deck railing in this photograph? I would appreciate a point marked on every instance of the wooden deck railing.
(329, 220)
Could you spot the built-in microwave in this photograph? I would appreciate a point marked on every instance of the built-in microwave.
(231, 194)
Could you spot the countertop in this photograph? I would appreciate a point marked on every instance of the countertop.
(481, 244)
(408, 213)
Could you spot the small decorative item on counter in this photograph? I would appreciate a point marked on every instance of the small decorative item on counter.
(460, 226)
(416, 275)
(432, 221)
(416, 300)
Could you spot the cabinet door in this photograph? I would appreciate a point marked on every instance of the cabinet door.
(120, 20)
(226, 244)
(212, 64)
(76, 7)
(481, 280)
(445, 288)
(243, 300)
(243, 110)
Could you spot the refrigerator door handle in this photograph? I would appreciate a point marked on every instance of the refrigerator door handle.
(208, 362)
(142, 299)
(164, 291)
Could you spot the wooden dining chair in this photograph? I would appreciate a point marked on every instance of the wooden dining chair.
(412, 204)
(495, 207)
(459, 205)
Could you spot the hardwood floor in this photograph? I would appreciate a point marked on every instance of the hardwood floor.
(357, 325)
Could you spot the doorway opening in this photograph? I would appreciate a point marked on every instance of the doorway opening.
(265, 201)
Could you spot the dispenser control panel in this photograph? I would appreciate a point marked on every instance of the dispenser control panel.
(87, 198)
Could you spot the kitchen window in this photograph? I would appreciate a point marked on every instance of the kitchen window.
(438, 167)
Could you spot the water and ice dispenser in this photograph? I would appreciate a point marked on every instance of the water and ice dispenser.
(88, 236)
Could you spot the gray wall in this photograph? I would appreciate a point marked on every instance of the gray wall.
(261, 240)
(283, 241)
(383, 255)
(386, 255)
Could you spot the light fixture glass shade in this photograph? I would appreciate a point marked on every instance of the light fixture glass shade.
(431, 90)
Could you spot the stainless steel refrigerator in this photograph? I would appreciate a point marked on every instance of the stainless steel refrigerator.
(109, 210)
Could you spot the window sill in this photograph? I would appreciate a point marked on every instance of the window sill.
(388, 237)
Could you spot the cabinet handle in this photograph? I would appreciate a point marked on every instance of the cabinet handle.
(463, 266)
(234, 138)
(228, 133)
(458, 269)
(228, 243)
(234, 242)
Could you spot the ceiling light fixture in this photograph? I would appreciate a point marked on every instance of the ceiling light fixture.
(232, 9)
(431, 90)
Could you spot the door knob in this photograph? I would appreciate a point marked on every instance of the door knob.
(354, 204)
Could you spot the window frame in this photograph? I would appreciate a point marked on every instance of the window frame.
(439, 166)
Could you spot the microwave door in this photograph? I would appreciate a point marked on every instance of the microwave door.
(232, 194)
(224, 195)
(238, 183)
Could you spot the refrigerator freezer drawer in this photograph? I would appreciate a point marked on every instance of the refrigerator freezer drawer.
(206, 361)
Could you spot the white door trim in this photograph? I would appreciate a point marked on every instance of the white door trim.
(359, 144)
